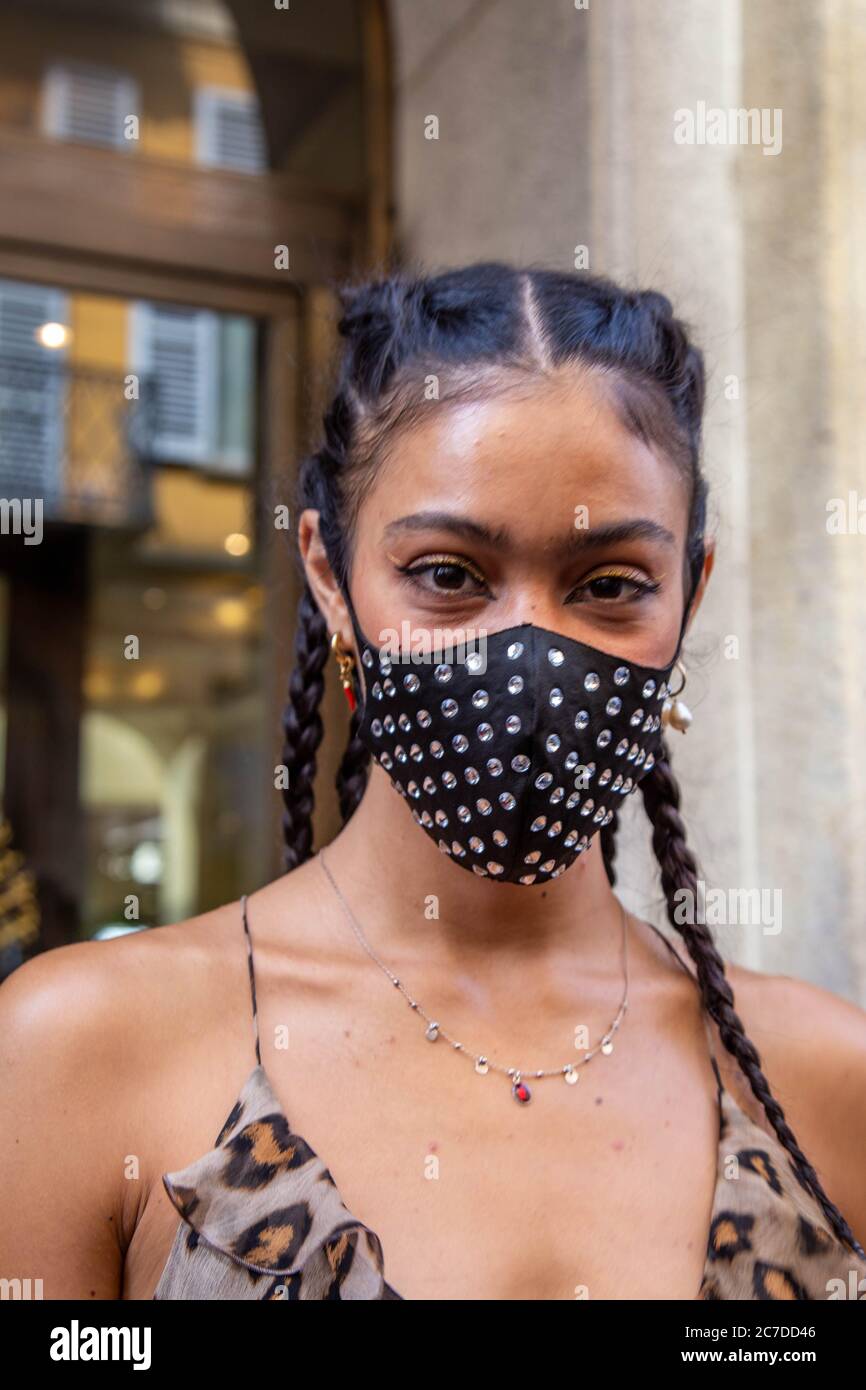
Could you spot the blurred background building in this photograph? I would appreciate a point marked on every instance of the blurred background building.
(180, 183)
(348, 131)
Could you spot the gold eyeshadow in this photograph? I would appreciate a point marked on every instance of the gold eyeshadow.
(615, 572)
(429, 561)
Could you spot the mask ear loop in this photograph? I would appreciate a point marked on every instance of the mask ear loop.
(687, 611)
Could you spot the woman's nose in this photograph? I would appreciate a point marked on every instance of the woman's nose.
(532, 604)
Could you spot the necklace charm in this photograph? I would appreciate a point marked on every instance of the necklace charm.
(607, 1047)
(481, 1066)
(432, 1032)
(571, 1074)
(520, 1090)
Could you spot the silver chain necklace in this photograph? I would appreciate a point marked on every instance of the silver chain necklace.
(519, 1089)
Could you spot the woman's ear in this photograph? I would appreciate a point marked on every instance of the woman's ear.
(706, 571)
(320, 577)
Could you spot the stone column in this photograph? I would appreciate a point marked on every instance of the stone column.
(556, 129)
(668, 216)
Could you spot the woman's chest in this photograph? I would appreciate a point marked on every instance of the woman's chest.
(503, 1222)
(600, 1190)
(603, 1190)
(529, 1219)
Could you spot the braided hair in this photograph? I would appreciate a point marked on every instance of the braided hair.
(480, 329)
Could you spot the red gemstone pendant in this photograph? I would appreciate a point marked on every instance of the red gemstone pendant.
(350, 697)
(521, 1091)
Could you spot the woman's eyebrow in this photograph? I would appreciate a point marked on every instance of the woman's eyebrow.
(580, 538)
(447, 521)
(636, 529)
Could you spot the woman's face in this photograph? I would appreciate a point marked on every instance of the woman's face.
(542, 509)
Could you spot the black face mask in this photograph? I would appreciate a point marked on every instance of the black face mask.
(512, 767)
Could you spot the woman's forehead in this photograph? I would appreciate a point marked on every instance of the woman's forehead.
(534, 462)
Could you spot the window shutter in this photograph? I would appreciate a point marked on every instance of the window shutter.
(175, 347)
(32, 392)
(235, 393)
(89, 104)
(229, 131)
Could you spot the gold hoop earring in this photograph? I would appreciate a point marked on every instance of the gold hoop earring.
(675, 712)
(346, 663)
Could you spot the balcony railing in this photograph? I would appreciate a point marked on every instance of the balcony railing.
(79, 439)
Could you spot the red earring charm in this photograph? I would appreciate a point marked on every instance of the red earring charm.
(346, 662)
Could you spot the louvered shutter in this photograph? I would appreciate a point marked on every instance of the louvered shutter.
(229, 131)
(175, 346)
(89, 104)
(32, 393)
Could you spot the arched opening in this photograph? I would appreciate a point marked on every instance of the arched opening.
(182, 186)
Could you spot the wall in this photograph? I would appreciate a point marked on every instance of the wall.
(556, 129)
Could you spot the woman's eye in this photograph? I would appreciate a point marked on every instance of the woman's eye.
(610, 587)
(443, 576)
(448, 576)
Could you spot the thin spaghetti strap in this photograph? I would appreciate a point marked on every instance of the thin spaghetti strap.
(710, 1040)
(252, 978)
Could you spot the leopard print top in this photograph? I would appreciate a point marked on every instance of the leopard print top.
(262, 1218)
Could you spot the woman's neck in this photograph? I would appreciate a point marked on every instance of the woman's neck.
(395, 879)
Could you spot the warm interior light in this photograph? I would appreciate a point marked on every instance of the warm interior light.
(52, 335)
(98, 686)
(231, 613)
(146, 685)
(237, 543)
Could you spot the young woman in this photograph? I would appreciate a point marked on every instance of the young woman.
(437, 1059)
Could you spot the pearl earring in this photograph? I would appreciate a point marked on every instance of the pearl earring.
(675, 712)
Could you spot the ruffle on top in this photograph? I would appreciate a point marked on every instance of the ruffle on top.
(262, 1217)
(769, 1239)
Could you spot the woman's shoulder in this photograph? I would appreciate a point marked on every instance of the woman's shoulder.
(806, 1029)
(85, 990)
(802, 1030)
(105, 1070)
(89, 1022)
(809, 1040)
(144, 991)
(812, 1048)
(92, 1026)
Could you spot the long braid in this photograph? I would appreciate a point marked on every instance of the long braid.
(318, 487)
(353, 771)
(303, 730)
(661, 795)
